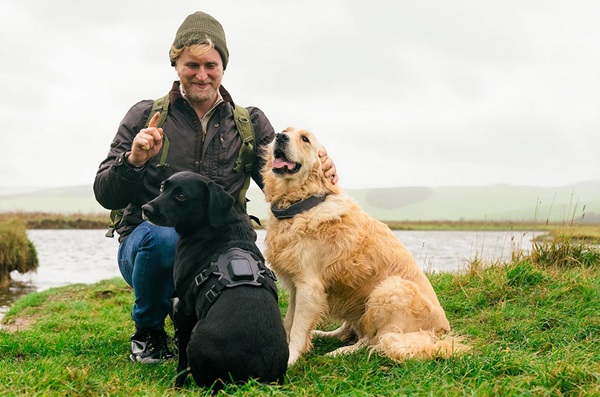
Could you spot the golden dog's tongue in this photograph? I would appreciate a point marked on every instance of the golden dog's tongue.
(282, 163)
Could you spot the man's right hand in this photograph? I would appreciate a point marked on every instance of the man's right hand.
(146, 144)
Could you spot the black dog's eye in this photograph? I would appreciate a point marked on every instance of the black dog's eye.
(305, 139)
(162, 187)
(180, 197)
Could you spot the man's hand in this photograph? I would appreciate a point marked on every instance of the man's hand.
(146, 144)
(328, 165)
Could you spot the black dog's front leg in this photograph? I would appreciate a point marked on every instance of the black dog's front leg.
(185, 325)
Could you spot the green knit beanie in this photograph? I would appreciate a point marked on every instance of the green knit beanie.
(196, 28)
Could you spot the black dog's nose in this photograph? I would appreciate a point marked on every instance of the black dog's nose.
(282, 137)
(147, 210)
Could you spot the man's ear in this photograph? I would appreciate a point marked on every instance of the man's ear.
(219, 206)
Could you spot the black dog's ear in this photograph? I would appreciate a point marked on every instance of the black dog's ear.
(219, 206)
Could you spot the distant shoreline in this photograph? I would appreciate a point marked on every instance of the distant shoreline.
(587, 231)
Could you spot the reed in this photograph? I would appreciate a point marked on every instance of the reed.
(17, 252)
(48, 220)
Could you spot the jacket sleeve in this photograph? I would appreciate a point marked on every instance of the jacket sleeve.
(264, 133)
(116, 183)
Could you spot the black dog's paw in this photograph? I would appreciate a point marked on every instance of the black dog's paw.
(181, 378)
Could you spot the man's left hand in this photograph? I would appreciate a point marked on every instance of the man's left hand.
(328, 166)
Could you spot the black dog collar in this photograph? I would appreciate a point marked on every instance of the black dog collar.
(298, 207)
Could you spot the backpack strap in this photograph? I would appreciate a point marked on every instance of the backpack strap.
(161, 105)
(247, 153)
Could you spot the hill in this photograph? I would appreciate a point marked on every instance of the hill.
(449, 203)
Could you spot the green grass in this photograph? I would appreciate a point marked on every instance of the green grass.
(533, 323)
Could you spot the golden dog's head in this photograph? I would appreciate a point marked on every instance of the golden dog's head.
(293, 169)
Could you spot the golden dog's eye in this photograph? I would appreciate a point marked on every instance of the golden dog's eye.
(305, 139)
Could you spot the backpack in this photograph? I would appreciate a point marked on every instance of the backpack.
(244, 160)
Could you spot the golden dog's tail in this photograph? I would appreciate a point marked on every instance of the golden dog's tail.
(419, 345)
(401, 322)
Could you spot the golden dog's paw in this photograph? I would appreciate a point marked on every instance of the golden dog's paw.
(294, 356)
(348, 349)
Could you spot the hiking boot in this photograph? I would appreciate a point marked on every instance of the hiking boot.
(150, 347)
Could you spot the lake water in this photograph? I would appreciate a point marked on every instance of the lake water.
(86, 256)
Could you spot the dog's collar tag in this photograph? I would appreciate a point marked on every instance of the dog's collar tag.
(298, 207)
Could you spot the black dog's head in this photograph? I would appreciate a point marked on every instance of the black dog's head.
(189, 202)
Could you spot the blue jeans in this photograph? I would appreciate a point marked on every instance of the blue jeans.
(146, 258)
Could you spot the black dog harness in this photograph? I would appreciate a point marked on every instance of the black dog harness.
(233, 268)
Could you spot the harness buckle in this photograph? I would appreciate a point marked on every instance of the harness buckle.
(200, 278)
(270, 273)
(211, 295)
(205, 275)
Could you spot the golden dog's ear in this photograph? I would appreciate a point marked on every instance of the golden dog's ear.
(219, 206)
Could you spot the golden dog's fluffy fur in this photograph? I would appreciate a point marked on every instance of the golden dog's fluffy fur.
(335, 260)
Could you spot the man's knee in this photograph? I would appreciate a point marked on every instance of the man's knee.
(161, 243)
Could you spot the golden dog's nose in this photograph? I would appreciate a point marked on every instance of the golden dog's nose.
(282, 137)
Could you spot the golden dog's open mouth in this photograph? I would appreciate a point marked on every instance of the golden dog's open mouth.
(281, 164)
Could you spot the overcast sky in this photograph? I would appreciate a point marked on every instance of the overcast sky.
(401, 93)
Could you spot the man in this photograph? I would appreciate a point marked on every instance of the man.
(202, 138)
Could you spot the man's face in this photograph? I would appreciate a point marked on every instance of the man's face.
(200, 73)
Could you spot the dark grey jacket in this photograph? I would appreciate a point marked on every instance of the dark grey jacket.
(119, 185)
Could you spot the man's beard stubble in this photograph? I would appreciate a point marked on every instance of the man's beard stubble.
(199, 96)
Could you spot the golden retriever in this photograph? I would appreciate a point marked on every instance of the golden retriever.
(336, 260)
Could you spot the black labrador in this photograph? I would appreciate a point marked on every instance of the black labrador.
(229, 324)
